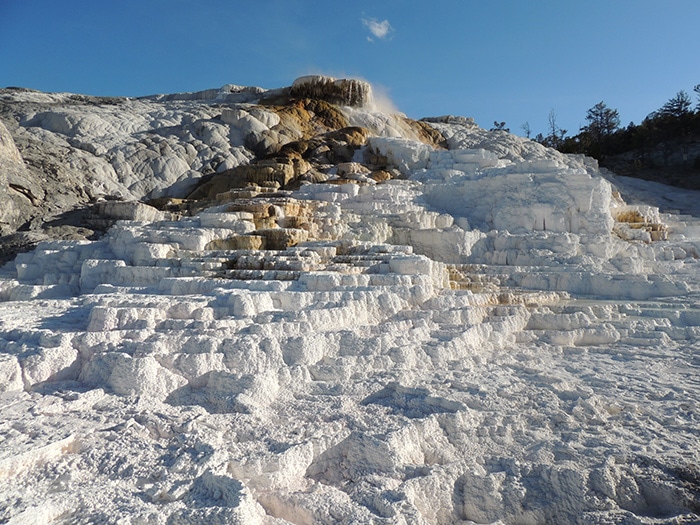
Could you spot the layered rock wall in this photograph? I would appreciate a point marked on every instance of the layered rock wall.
(343, 92)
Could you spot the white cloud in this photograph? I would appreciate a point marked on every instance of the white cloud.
(381, 30)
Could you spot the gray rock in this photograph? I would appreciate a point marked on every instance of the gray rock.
(10, 163)
(130, 211)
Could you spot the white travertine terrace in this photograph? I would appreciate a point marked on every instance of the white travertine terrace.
(495, 336)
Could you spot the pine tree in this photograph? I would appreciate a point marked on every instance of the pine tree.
(602, 123)
(677, 107)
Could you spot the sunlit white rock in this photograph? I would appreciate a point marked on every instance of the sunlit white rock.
(483, 341)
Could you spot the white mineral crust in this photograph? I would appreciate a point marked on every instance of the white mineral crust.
(472, 344)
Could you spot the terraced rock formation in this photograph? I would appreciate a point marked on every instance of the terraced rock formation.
(352, 318)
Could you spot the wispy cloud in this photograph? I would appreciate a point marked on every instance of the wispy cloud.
(379, 29)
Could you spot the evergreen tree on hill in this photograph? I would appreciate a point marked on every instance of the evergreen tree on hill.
(602, 123)
(677, 107)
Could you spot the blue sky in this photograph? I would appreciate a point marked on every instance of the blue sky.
(505, 60)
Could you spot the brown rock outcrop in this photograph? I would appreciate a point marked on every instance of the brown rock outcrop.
(279, 171)
(334, 147)
(281, 238)
(427, 133)
(343, 92)
(352, 168)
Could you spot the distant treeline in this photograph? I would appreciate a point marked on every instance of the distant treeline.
(664, 147)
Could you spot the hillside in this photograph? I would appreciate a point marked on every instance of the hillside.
(673, 162)
(664, 147)
(288, 306)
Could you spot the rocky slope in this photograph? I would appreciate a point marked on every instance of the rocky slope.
(303, 310)
(61, 152)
